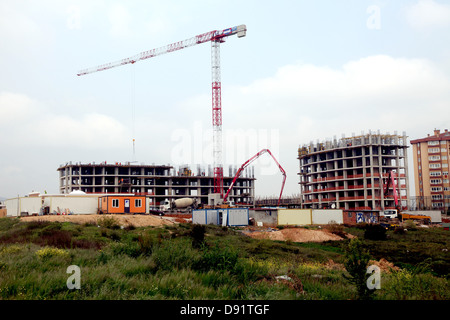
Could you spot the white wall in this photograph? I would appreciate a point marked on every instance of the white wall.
(237, 217)
(75, 204)
(15, 206)
(327, 216)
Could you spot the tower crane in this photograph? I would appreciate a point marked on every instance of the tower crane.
(216, 37)
(247, 163)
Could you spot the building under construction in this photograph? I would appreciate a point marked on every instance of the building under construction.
(352, 173)
(158, 182)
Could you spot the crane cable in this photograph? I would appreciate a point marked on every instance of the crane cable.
(133, 109)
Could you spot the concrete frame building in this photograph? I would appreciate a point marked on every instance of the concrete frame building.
(158, 182)
(351, 173)
(431, 166)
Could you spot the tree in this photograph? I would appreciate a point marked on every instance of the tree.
(356, 262)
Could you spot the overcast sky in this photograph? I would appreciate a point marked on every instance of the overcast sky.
(306, 71)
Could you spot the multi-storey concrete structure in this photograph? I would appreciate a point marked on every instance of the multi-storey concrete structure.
(431, 161)
(159, 182)
(351, 173)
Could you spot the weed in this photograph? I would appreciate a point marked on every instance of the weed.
(48, 252)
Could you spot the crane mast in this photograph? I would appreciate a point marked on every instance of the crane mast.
(216, 37)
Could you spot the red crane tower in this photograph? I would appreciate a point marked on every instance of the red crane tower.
(216, 37)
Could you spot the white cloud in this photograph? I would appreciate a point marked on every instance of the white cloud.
(28, 123)
(306, 102)
(428, 14)
(119, 18)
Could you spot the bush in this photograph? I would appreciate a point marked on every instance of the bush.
(356, 261)
(198, 235)
(108, 222)
(410, 225)
(399, 230)
(375, 232)
(48, 252)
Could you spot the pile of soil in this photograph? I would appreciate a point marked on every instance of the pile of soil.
(384, 265)
(295, 235)
(122, 219)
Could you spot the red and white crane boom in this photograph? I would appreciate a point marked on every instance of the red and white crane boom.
(247, 163)
(216, 37)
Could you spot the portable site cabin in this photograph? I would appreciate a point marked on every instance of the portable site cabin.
(38, 204)
(296, 217)
(232, 217)
(327, 216)
(126, 204)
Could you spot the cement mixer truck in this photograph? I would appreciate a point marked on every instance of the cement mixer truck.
(182, 204)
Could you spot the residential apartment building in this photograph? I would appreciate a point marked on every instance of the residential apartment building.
(158, 182)
(431, 166)
(351, 173)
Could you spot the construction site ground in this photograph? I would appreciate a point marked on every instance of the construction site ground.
(294, 234)
(122, 219)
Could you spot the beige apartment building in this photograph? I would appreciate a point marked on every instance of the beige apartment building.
(431, 166)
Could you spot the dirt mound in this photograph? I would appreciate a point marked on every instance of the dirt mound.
(295, 235)
(384, 265)
(122, 219)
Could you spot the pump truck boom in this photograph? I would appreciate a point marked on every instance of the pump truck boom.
(247, 163)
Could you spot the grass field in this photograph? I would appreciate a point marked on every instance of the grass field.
(185, 262)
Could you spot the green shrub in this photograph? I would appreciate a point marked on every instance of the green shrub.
(374, 232)
(410, 225)
(108, 222)
(48, 252)
(198, 235)
(356, 262)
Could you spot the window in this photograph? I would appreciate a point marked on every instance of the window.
(437, 204)
(435, 173)
(445, 165)
(436, 189)
(434, 158)
(434, 165)
(433, 150)
(444, 158)
(433, 143)
(115, 203)
(443, 149)
(436, 196)
(137, 203)
(435, 181)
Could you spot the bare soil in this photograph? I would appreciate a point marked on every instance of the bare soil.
(122, 219)
(295, 235)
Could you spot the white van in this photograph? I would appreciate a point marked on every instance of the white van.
(390, 213)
